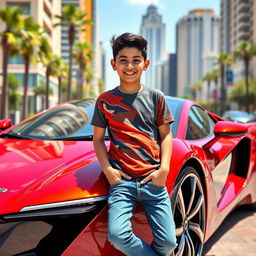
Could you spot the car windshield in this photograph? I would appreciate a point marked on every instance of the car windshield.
(175, 106)
(69, 121)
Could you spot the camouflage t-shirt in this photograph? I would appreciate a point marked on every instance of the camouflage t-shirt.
(132, 121)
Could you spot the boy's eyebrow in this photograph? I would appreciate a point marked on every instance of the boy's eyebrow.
(123, 56)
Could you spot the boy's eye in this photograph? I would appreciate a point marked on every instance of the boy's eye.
(123, 61)
(137, 61)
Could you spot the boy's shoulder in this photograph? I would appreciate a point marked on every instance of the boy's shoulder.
(156, 93)
(106, 94)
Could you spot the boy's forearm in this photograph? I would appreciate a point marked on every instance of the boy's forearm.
(166, 152)
(102, 154)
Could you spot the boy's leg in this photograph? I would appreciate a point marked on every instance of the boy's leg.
(158, 210)
(122, 202)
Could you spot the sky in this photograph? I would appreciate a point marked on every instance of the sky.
(119, 16)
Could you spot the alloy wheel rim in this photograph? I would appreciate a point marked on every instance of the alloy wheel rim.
(189, 216)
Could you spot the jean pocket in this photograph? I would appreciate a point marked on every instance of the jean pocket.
(156, 186)
(116, 184)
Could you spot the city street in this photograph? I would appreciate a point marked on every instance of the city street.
(236, 236)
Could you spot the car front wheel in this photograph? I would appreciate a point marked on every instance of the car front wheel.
(188, 204)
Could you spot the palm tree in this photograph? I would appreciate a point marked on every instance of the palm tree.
(215, 77)
(89, 77)
(73, 18)
(208, 78)
(82, 55)
(197, 87)
(12, 18)
(30, 38)
(14, 96)
(61, 72)
(223, 59)
(40, 90)
(47, 57)
(245, 51)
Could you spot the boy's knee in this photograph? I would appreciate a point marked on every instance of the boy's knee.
(170, 245)
(166, 246)
(114, 237)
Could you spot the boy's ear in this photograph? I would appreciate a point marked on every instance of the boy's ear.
(113, 64)
(146, 64)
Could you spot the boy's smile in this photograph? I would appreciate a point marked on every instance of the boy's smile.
(129, 65)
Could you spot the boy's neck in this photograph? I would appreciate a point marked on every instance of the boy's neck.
(130, 88)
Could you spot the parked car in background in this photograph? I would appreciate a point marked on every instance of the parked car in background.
(239, 116)
(53, 192)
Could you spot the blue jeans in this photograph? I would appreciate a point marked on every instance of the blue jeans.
(157, 206)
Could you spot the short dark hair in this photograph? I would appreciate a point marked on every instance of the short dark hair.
(129, 40)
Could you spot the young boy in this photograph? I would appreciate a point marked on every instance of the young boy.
(137, 163)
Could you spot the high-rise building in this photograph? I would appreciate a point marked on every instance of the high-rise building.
(173, 74)
(166, 75)
(153, 30)
(238, 23)
(43, 13)
(197, 46)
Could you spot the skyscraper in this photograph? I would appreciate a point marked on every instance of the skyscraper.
(153, 29)
(197, 46)
(238, 21)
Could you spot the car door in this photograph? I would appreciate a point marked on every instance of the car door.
(219, 158)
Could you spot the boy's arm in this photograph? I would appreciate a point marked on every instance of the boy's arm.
(113, 175)
(159, 176)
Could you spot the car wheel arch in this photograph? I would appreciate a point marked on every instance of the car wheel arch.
(189, 174)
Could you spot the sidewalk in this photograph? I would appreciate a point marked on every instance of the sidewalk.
(235, 237)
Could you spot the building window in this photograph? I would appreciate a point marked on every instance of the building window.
(16, 60)
(24, 6)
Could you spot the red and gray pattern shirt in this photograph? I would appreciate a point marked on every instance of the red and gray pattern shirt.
(132, 121)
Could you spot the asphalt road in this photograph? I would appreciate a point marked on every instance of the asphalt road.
(236, 236)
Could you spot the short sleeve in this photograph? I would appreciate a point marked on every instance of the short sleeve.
(98, 118)
(164, 114)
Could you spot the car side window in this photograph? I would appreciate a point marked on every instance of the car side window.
(200, 124)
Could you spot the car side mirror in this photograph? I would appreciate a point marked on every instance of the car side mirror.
(229, 129)
(226, 129)
(4, 124)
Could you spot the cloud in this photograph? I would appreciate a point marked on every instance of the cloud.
(143, 2)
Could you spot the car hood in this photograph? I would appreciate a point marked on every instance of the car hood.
(43, 172)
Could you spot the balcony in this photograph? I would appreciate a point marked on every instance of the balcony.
(243, 14)
(244, 24)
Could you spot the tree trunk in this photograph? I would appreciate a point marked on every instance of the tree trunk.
(71, 34)
(25, 84)
(48, 72)
(223, 90)
(246, 63)
(59, 89)
(208, 90)
(216, 98)
(4, 100)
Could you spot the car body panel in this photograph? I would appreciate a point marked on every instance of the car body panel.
(39, 175)
(48, 172)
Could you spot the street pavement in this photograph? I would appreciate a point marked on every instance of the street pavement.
(236, 236)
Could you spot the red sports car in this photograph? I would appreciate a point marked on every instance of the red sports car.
(53, 192)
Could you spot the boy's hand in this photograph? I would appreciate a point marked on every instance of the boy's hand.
(114, 176)
(158, 177)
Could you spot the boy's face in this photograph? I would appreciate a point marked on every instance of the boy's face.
(129, 64)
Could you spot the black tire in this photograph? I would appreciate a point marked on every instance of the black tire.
(188, 205)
